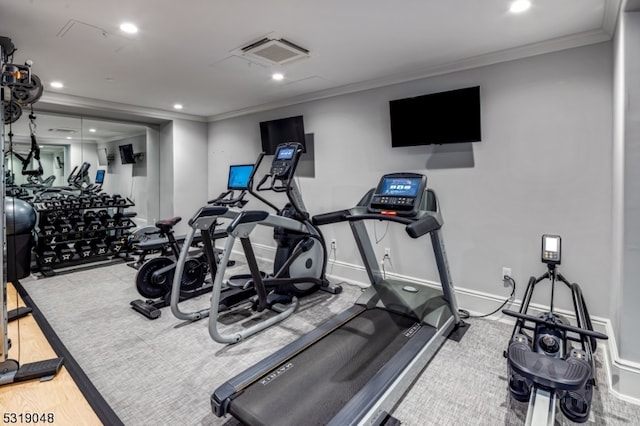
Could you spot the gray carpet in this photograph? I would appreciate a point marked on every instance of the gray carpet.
(162, 372)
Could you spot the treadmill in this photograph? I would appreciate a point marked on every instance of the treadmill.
(355, 368)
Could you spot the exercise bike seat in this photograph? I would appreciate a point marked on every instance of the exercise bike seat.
(165, 225)
(546, 371)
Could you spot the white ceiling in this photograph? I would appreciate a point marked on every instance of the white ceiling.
(184, 51)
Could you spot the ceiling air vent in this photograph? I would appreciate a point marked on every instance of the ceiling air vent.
(275, 51)
(62, 130)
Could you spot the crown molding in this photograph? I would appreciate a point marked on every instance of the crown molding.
(534, 49)
(69, 104)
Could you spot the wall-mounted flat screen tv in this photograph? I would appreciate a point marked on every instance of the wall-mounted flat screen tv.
(437, 118)
(275, 132)
(126, 154)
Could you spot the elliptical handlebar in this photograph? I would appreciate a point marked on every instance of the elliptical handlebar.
(263, 181)
(232, 201)
(282, 169)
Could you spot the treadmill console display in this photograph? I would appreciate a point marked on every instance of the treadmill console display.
(285, 159)
(398, 194)
(551, 249)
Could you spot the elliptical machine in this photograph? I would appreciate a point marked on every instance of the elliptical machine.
(301, 255)
(545, 367)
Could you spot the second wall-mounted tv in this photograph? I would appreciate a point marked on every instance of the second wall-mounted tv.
(275, 132)
(437, 118)
(126, 154)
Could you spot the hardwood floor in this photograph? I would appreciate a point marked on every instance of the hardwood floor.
(59, 400)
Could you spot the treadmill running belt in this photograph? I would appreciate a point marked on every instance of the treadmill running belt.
(343, 362)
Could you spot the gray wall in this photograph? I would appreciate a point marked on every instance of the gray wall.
(189, 169)
(166, 170)
(626, 225)
(543, 166)
(152, 159)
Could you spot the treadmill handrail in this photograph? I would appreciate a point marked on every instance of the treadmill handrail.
(416, 227)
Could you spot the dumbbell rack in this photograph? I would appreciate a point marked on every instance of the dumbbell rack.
(74, 230)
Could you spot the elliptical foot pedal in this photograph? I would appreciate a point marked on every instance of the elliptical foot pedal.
(43, 370)
(18, 313)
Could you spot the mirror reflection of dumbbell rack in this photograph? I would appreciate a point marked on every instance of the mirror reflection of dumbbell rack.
(75, 230)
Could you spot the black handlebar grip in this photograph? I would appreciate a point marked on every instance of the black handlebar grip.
(423, 226)
(327, 218)
(208, 211)
(212, 211)
(247, 216)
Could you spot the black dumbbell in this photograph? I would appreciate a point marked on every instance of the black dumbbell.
(47, 257)
(65, 253)
(99, 248)
(83, 248)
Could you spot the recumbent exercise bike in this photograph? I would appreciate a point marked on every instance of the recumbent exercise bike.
(543, 365)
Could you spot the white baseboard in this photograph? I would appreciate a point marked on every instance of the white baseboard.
(623, 375)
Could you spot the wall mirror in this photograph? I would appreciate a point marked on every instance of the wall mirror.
(117, 149)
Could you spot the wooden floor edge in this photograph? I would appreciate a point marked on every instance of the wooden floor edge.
(71, 398)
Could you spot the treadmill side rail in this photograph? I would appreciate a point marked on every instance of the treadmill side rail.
(223, 395)
(386, 388)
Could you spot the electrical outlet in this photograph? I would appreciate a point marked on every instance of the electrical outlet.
(387, 252)
(334, 244)
(506, 271)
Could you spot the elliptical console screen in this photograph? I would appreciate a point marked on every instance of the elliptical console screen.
(239, 176)
(285, 160)
(398, 194)
(285, 153)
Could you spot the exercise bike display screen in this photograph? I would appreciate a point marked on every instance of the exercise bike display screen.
(239, 176)
(398, 193)
(100, 176)
(285, 153)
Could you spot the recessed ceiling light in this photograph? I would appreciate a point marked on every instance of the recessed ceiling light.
(92, 130)
(129, 28)
(177, 106)
(68, 137)
(277, 76)
(519, 6)
(56, 85)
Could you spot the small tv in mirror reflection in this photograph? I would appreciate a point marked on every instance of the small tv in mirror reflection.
(126, 154)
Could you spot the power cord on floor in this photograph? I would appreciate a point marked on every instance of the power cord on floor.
(464, 314)
(382, 263)
(333, 251)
